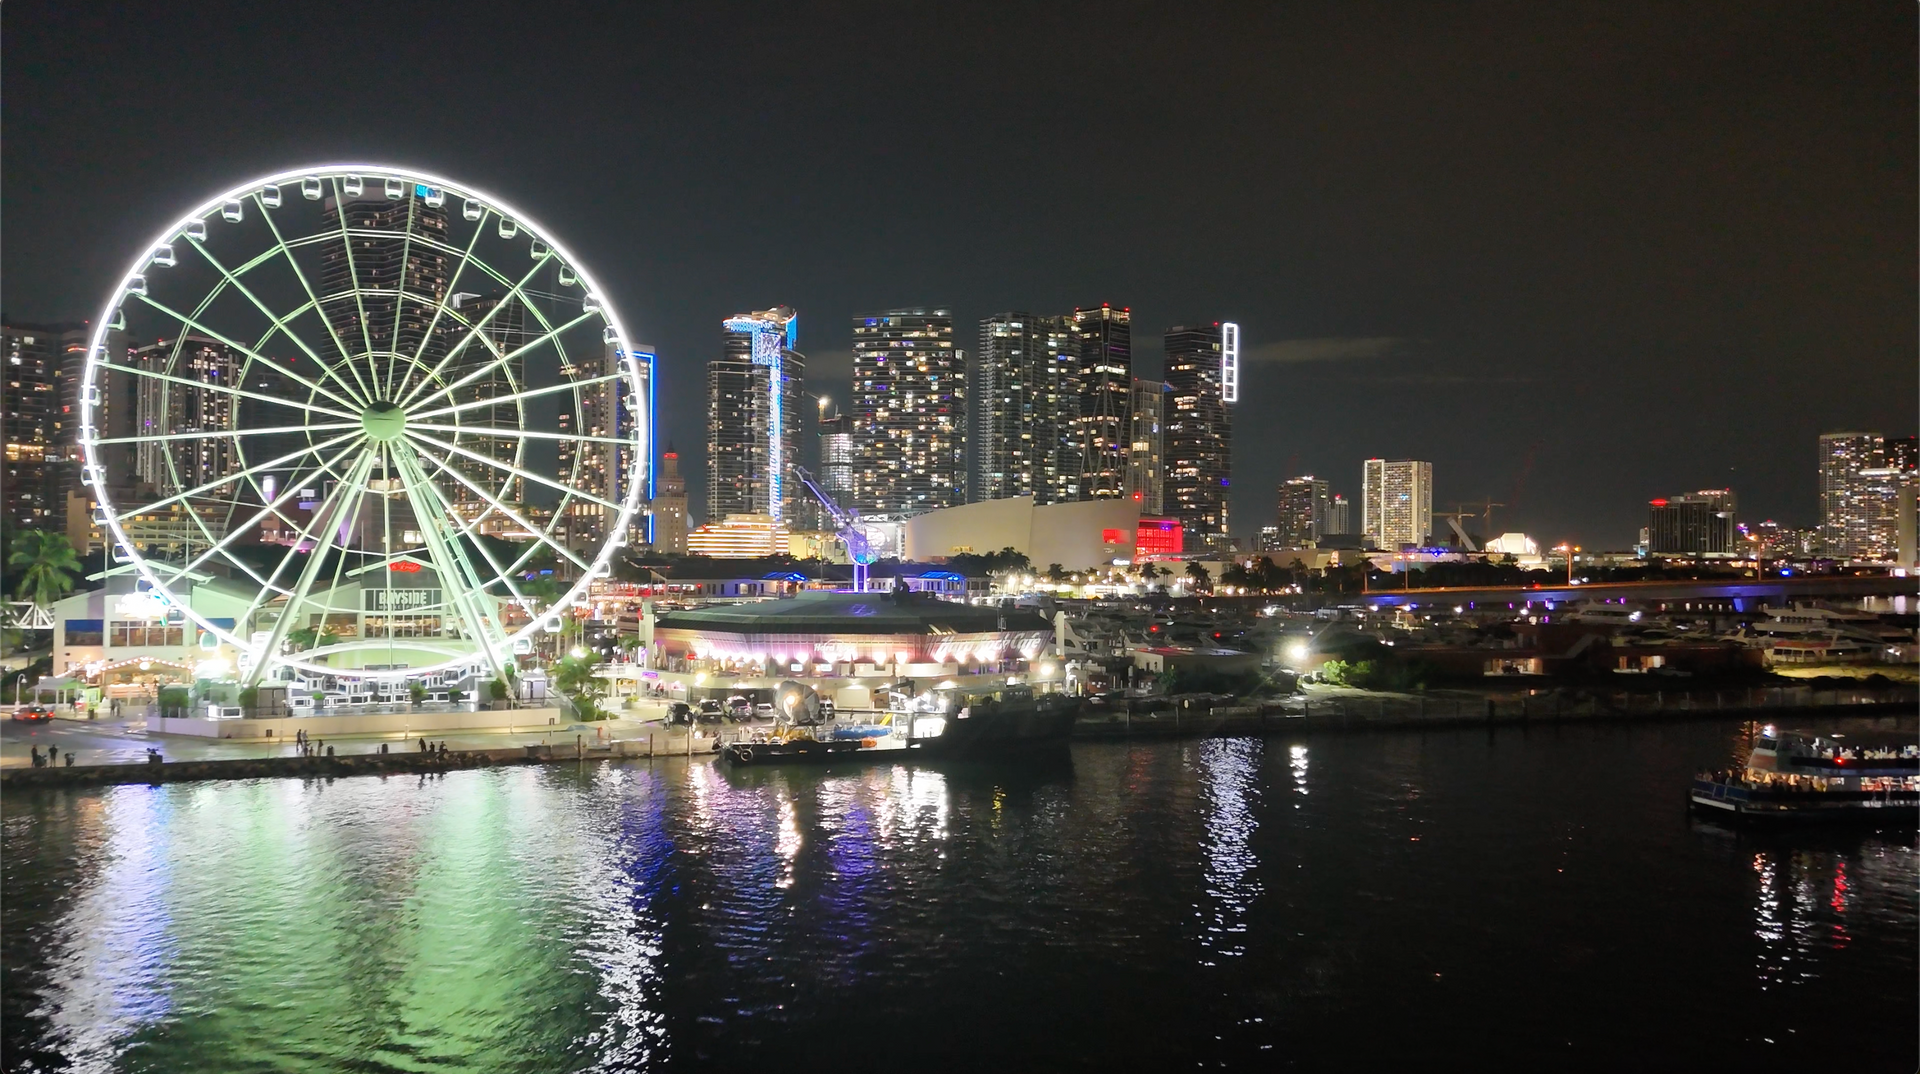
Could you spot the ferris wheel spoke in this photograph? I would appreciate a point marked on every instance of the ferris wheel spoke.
(189, 323)
(514, 291)
(524, 475)
(502, 507)
(237, 476)
(279, 325)
(314, 300)
(509, 432)
(205, 433)
(483, 370)
(440, 308)
(298, 592)
(353, 274)
(296, 404)
(272, 508)
(528, 394)
(450, 557)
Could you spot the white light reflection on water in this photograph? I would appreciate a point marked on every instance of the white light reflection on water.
(1297, 762)
(1229, 788)
(116, 962)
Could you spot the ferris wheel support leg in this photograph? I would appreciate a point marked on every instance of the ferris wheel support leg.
(467, 589)
(263, 656)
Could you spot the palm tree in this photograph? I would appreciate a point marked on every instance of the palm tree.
(1202, 578)
(50, 565)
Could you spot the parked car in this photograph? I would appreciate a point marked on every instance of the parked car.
(679, 714)
(739, 708)
(763, 711)
(33, 714)
(711, 710)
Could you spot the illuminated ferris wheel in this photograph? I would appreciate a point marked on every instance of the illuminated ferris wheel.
(382, 409)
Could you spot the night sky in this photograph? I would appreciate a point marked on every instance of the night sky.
(1575, 255)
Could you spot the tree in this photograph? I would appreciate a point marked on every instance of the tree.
(1235, 575)
(49, 566)
(1202, 577)
(1056, 573)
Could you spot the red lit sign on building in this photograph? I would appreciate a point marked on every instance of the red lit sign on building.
(1111, 537)
(404, 566)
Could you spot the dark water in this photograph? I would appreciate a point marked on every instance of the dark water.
(1525, 900)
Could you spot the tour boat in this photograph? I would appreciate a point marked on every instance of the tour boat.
(953, 722)
(1792, 776)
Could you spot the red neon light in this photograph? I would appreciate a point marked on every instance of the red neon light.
(1110, 537)
(404, 567)
(1658, 503)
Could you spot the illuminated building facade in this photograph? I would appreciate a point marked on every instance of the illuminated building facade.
(1339, 516)
(1396, 503)
(1695, 524)
(740, 537)
(1146, 448)
(163, 407)
(599, 469)
(1199, 436)
(837, 458)
(1305, 512)
(1025, 400)
(669, 506)
(754, 417)
(909, 411)
(1103, 338)
(39, 422)
(1844, 512)
(1157, 537)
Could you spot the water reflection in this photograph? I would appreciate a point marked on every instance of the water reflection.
(1230, 770)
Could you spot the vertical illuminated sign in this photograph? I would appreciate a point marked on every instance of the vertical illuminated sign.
(1230, 362)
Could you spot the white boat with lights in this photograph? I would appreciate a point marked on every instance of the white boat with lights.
(1795, 776)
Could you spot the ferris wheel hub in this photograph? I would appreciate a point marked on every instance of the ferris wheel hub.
(384, 421)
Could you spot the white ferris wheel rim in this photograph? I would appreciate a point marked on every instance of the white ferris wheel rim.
(94, 472)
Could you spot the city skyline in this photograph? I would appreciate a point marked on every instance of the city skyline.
(1567, 308)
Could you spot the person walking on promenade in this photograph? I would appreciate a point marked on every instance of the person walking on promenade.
(38, 761)
(53, 755)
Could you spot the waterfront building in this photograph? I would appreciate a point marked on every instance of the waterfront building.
(1268, 539)
(909, 411)
(1693, 524)
(600, 411)
(1103, 341)
(1199, 433)
(1843, 512)
(754, 416)
(1025, 404)
(163, 407)
(498, 326)
(837, 458)
(1146, 460)
(403, 281)
(1305, 512)
(1396, 502)
(1078, 536)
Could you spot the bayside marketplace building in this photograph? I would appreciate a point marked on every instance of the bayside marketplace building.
(847, 646)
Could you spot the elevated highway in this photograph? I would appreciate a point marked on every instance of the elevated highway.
(1743, 595)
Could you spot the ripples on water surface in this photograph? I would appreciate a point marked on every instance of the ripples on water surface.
(1522, 899)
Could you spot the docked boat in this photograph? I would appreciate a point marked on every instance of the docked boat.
(1800, 777)
(937, 724)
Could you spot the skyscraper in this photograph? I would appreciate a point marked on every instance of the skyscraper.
(1305, 512)
(754, 417)
(1199, 435)
(1146, 449)
(837, 458)
(1339, 517)
(33, 357)
(1693, 524)
(413, 275)
(1396, 502)
(163, 407)
(498, 327)
(909, 411)
(1843, 519)
(1103, 339)
(1025, 402)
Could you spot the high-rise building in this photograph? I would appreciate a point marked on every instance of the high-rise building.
(498, 326)
(1199, 434)
(1693, 524)
(669, 506)
(1396, 502)
(909, 411)
(402, 282)
(1103, 341)
(32, 379)
(597, 412)
(1339, 517)
(1843, 510)
(1146, 449)
(754, 416)
(1025, 403)
(1305, 511)
(163, 407)
(837, 457)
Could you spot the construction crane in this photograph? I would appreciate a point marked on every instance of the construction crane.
(1486, 516)
(846, 526)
